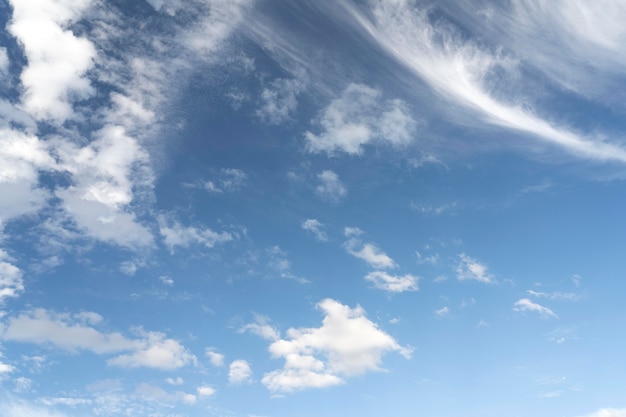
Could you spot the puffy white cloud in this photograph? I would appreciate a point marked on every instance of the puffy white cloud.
(239, 372)
(174, 381)
(216, 358)
(262, 328)
(154, 350)
(393, 283)
(5, 369)
(359, 117)
(57, 59)
(470, 269)
(175, 234)
(330, 186)
(69, 332)
(105, 174)
(525, 304)
(205, 391)
(460, 71)
(346, 344)
(316, 227)
(11, 281)
(62, 330)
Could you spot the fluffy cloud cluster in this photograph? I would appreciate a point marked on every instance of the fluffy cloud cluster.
(346, 344)
(470, 269)
(357, 118)
(77, 332)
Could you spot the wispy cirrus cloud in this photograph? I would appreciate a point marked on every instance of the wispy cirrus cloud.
(525, 305)
(461, 72)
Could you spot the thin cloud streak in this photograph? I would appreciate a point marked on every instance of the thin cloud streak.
(458, 71)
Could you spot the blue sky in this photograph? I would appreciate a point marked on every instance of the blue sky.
(253, 208)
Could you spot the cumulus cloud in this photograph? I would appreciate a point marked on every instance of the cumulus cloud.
(470, 269)
(393, 283)
(239, 372)
(57, 59)
(176, 235)
(205, 391)
(262, 328)
(330, 187)
(346, 344)
(460, 71)
(71, 332)
(524, 305)
(216, 358)
(316, 227)
(358, 117)
(154, 350)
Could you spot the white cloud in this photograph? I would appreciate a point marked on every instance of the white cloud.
(359, 117)
(5, 369)
(216, 358)
(608, 412)
(168, 6)
(471, 269)
(281, 265)
(346, 344)
(175, 234)
(525, 304)
(330, 186)
(239, 372)
(316, 227)
(442, 312)
(4, 62)
(69, 332)
(66, 401)
(562, 296)
(279, 100)
(228, 180)
(459, 71)
(13, 407)
(262, 328)
(174, 381)
(11, 282)
(57, 59)
(105, 176)
(205, 391)
(393, 283)
(368, 252)
(155, 351)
